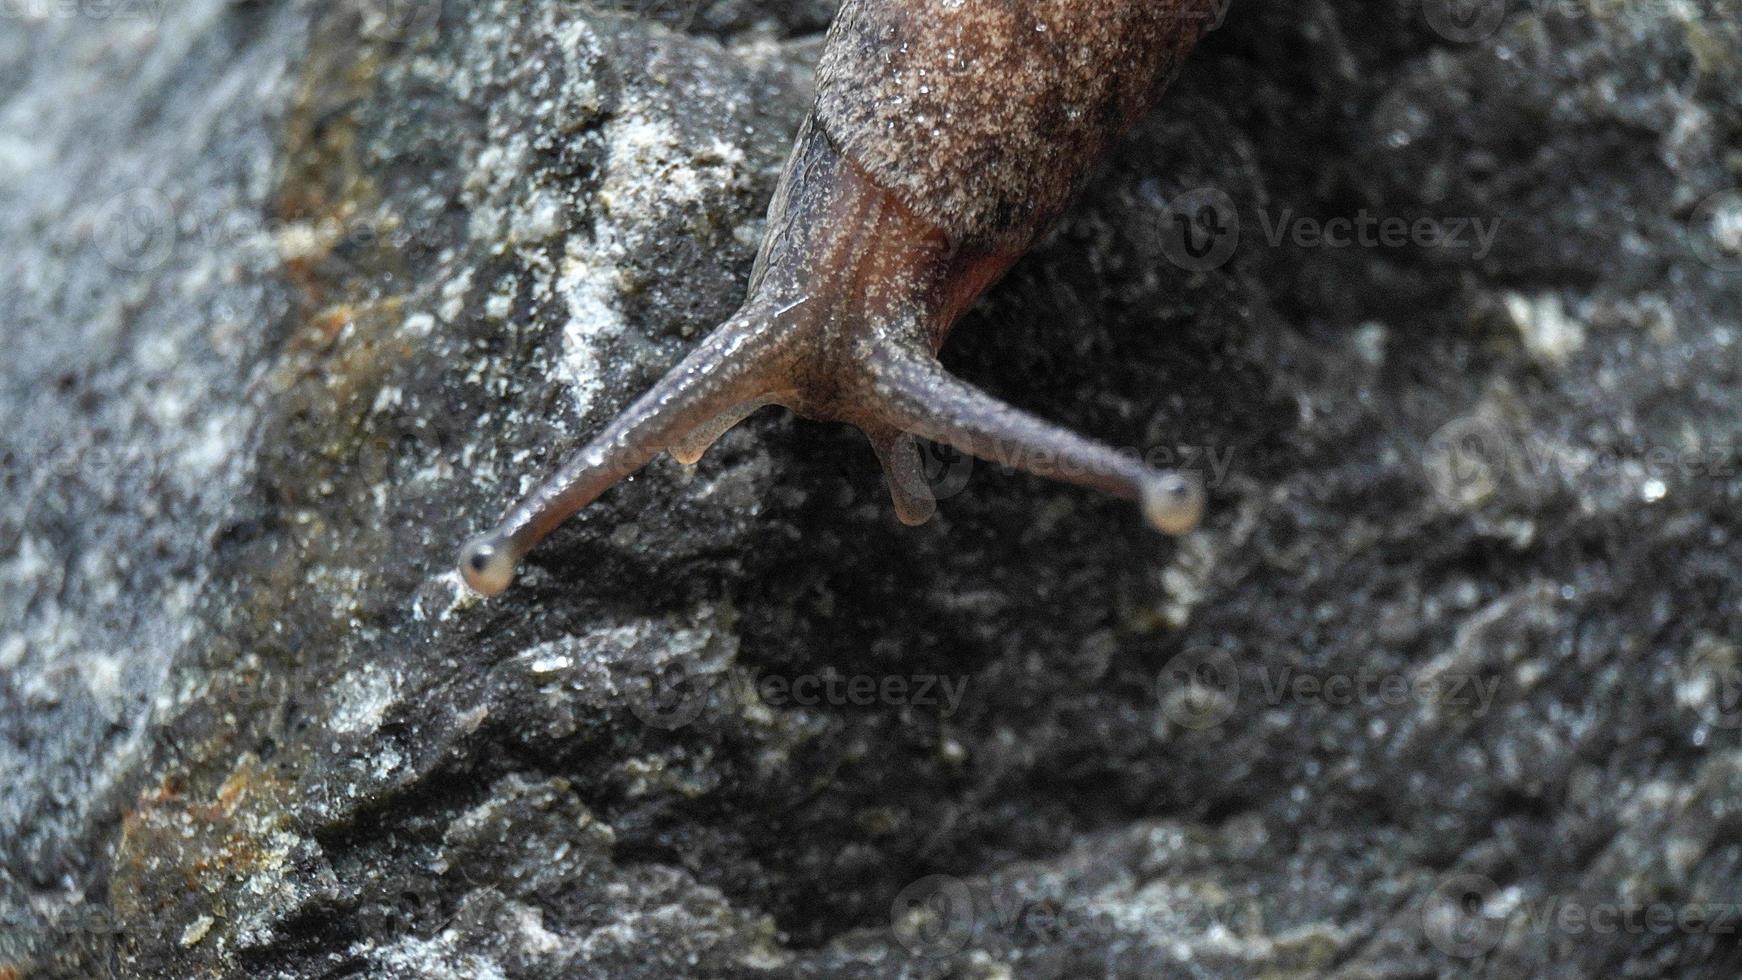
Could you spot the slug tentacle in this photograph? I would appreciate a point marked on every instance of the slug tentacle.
(904, 470)
(912, 391)
(690, 449)
(732, 370)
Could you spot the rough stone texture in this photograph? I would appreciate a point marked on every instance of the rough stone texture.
(297, 298)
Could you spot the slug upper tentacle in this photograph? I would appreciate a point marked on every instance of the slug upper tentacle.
(732, 367)
(914, 392)
(947, 135)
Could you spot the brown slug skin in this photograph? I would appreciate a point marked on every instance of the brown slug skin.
(985, 116)
(946, 136)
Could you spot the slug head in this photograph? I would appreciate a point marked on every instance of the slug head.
(852, 295)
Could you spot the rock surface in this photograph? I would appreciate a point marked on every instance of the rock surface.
(298, 297)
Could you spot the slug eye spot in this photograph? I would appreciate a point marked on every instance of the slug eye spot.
(1173, 503)
(487, 565)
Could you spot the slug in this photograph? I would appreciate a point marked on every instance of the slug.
(946, 136)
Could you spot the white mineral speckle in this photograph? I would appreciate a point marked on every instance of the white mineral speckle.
(434, 959)
(196, 930)
(102, 677)
(12, 650)
(648, 173)
(549, 665)
(361, 698)
(419, 324)
(1548, 332)
(454, 295)
(591, 294)
(540, 219)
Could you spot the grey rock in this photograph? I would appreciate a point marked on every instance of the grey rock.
(300, 296)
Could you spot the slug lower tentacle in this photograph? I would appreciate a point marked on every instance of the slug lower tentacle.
(946, 136)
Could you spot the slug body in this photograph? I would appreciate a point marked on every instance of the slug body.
(946, 136)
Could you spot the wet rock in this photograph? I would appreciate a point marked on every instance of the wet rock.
(299, 297)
